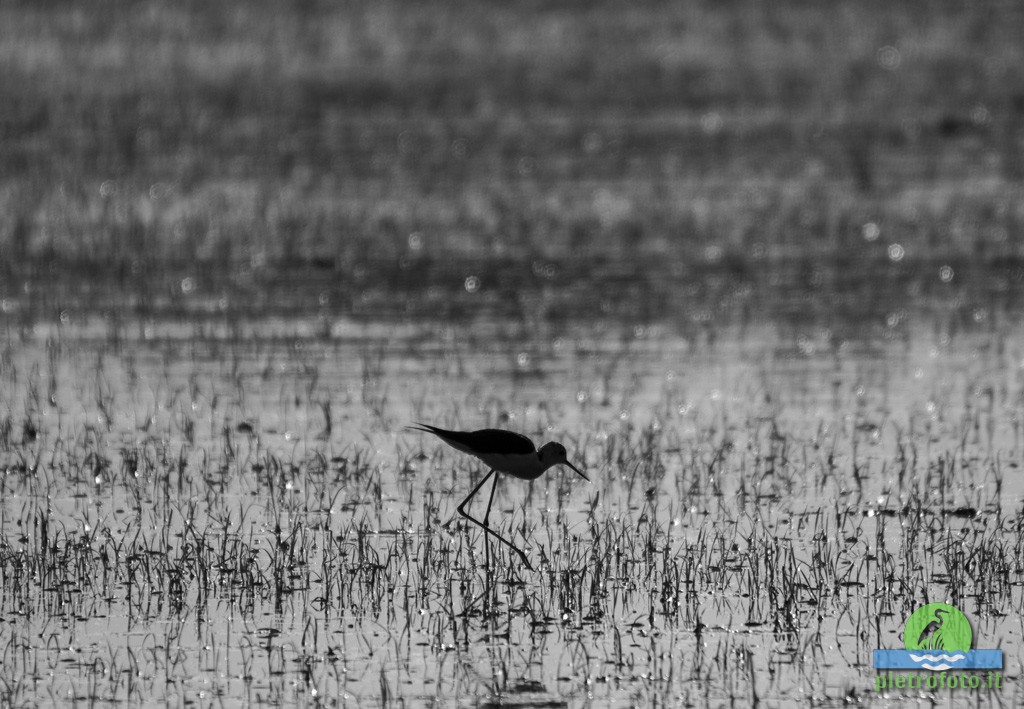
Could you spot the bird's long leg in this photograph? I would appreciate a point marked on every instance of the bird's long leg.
(482, 525)
(487, 516)
(490, 500)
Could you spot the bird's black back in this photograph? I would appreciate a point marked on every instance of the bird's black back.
(484, 441)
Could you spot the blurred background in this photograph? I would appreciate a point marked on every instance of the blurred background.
(538, 162)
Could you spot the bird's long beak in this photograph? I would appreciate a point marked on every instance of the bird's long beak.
(578, 471)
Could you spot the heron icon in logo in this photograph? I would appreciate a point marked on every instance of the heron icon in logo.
(938, 636)
(931, 635)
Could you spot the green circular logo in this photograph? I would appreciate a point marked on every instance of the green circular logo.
(937, 626)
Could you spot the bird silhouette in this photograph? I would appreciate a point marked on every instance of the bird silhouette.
(503, 452)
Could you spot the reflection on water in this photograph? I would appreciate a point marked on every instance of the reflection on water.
(197, 508)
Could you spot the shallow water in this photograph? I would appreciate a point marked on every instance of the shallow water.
(198, 510)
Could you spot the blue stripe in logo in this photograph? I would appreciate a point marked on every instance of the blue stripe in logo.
(938, 660)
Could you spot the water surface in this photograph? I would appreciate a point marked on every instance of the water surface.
(203, 508)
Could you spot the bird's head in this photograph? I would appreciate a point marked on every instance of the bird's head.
(554, 454)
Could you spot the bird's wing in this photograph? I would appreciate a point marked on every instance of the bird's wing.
(494, 440)
(484, 441)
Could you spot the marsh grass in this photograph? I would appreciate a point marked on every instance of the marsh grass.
(729, 547)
